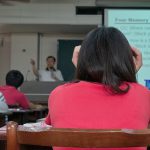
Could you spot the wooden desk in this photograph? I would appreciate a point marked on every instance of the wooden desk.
(3, 133)
(3, 138)
(19, 115)
(28, 115)
(4, 117)
(42, 112)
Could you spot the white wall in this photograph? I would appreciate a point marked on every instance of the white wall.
(23, 47)
(49, 45)
(51, 13)
(57, 15)
(5, 46)
(20, 59)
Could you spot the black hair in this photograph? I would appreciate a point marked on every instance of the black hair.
(47, 69)
(106, 57)
(51, 57)
(14, 78)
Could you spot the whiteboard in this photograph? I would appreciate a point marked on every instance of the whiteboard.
(135, 24)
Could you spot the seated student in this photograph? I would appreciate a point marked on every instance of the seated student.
(50, 73)
(3, 110)
(3, 105)
(105, 94)
(13, 96)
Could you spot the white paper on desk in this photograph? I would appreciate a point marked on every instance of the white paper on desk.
(37, 126)
(3, 128)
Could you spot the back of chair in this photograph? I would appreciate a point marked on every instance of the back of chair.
(76, 137)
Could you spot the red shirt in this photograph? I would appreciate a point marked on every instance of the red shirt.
(14, 97)
(89, 105)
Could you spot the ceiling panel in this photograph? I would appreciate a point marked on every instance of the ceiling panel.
(123, 3)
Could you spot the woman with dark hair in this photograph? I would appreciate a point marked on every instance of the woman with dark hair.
(50, 73)
(106, 58)
(105, 94)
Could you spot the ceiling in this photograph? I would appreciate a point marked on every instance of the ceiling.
(68, 29)
(35, 1)
(123, 3)
(120, 3)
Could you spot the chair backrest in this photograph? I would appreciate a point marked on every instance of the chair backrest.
(88, 138)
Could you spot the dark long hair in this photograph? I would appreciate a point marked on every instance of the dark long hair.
(106, 57)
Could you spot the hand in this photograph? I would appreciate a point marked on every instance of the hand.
(32, 61)
(54, 75)
(137, 57)
(75, 55)
(35, 106)
(38, 106)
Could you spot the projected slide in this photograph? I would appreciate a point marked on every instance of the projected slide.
(135, 24)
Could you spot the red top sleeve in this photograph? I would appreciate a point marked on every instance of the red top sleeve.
(23, 101)
(48, 120)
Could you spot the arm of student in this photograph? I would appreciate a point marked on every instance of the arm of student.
(35, 106)
(51, 107)
(75, 55)
(48, 119)
(137, 57)
(23, 101)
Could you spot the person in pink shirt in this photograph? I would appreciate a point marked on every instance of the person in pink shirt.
(105, 94)
(13, 96)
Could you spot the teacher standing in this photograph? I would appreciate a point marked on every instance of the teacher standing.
(49, 73)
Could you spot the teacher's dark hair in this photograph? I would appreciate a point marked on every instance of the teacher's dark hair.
(54, 59)
(51, 57)
(106, 57)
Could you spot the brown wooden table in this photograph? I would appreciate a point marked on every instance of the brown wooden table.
(3, 138)
(3, 133)
(4, 117)
(29, 115)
